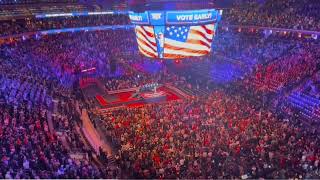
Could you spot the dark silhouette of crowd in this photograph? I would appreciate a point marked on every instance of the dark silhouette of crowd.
(290, 14)
(40, 24)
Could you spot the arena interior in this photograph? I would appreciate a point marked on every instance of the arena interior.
(159, 89)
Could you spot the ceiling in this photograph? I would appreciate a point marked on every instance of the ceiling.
(143, 5)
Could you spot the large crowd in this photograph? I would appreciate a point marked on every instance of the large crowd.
(67, 55)
(289, 14)
(293, 14)
(226, 132)
(299, 62)
(34, 24)
(36, 88)
(218, 137)
(139, 75)
(204, 137)
(28, 148)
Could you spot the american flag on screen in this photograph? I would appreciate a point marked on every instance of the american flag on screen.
(184, 41)
(146, 41)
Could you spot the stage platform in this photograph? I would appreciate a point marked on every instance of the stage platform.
(96, 95)
(126, 97)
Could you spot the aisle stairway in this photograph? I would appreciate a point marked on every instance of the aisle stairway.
(309, 106)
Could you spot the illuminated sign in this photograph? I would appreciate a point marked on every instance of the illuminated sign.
(91, 28)
(79, 14)
(158, 18)
(191, 17)
(139, 18)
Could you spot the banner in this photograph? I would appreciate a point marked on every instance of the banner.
(191, 17)
(139, 18)
(157, 18)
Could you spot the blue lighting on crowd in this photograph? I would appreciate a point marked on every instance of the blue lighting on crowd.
(91, 28)
(225, 72)
(149, 66)
(85, 13)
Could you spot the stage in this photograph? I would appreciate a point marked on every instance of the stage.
(126, 97)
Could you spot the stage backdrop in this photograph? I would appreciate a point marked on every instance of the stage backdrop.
(175, 34)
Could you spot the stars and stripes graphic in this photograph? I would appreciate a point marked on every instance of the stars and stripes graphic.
(186, 41)
(146, 41)
(179, 41)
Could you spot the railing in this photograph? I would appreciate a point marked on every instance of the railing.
(186, 96)
(64, 30)
(22, 11)
(90, 132)
(73, 14)
(123, 90)
(272, 29)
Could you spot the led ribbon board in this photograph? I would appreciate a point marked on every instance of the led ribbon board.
(175, 34)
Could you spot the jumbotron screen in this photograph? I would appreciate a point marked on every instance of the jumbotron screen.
(175, 34)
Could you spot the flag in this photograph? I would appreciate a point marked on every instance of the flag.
(179, 41)
(186, 41)
(146, 41)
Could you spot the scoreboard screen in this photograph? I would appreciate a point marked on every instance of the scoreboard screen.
(175, 34)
